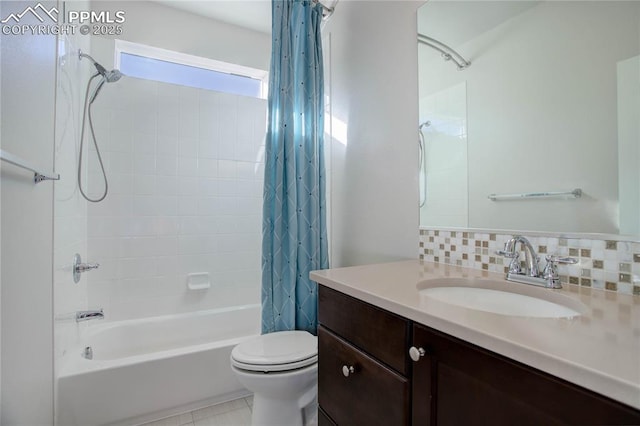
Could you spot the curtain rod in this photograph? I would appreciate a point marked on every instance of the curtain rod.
(447, 52)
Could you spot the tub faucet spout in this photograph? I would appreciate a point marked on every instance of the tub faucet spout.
(89, 315)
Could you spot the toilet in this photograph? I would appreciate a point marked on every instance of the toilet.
(281, 369)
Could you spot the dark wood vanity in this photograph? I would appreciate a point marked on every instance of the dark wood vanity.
(366, 377)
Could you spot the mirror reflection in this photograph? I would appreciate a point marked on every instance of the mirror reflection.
(540, 130)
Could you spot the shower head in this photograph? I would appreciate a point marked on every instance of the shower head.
(425, 124)
(108, 77)
(113, 76)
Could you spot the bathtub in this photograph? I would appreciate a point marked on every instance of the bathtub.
(153, 367)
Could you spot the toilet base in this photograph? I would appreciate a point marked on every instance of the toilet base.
(274, 412)
(287, 398)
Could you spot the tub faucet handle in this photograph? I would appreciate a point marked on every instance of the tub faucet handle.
(84, 267)
(79, 267)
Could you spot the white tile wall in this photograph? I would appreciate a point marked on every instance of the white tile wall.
(445, 157)
(185, 172)
(70, 209)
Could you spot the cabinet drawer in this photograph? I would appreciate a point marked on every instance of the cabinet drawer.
(372, 395)
(376, 331)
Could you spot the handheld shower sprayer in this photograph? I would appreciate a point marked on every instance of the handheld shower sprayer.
(113, 76)
(422, 177)
(106, 77)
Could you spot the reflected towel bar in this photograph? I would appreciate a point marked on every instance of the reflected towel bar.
(19, 162)
(576, 193)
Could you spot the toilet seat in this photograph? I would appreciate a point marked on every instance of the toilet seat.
(280, 351)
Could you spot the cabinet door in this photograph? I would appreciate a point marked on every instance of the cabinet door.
(371, 394)
(463, 384)
(423, 383)
(379, 333)
(323, 419)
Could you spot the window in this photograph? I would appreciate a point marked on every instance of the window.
(151, 63)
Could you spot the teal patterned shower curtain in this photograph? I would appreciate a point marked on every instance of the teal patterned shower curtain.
(294, 234)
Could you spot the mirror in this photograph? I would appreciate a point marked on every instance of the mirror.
(549, 104)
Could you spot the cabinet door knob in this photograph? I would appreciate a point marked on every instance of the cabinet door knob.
(347, 370)
(416, 353)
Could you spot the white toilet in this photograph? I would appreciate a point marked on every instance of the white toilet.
(281, 369)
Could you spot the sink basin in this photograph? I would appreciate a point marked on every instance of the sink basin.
(501, 298)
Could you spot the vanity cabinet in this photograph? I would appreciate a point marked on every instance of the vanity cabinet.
(363, 366)
(365, 377)
(457, 383)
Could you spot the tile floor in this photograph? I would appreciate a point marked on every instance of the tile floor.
(232, 413)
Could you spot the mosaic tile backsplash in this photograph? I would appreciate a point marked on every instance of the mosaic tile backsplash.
(603, 264)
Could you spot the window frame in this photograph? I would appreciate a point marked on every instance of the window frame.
(123, 46)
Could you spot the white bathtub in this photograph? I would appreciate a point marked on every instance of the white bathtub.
(153, 366)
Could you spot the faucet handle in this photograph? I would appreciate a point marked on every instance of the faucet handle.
(508, 254)
(79, 267)
(550, 272)
(514, 265)
(554, 258)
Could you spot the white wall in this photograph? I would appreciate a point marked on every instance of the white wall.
(629, 145)
(136, 119)
(125, 286)
(185, 170)
(374, 96)
(70, 209)
(157, 25)
(185, 175)
(374, 101)
(28, 89)
(542, 113)
(445, 157)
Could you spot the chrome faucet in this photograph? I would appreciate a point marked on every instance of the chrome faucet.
(531, 273)
(530, 256)
(89, 315)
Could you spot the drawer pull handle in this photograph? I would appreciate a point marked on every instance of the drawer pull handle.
(416, 353)
(347, 370)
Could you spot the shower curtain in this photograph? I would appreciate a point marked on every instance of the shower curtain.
(294, 240)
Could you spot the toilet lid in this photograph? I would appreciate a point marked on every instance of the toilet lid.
(283, 350)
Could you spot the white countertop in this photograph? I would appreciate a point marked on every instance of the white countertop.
(599, 350)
